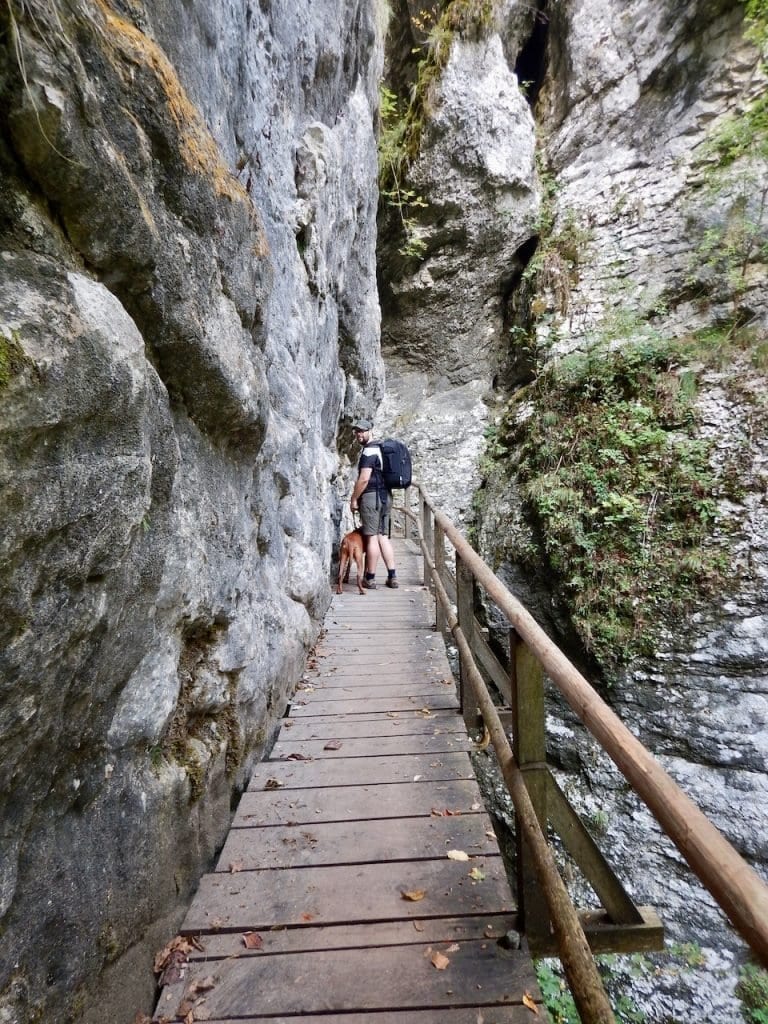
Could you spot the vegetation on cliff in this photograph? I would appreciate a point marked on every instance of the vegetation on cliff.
(619, 488)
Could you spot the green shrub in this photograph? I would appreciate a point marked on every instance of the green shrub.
(752, 989)
(619, 487)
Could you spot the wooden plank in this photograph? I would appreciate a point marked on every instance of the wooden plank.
(356, 803)
(348, 727)
(364, 689)
(220, 945)
(442, 743)
(445, 718)
(252, 900)
(379, 650)
(381, 673)
(367, 639)
(343, 842)
(317, 704)
(334, 771)
(353, 981)
(488, 927)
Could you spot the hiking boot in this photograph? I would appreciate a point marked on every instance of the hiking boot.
(392, 583)
(369, 584)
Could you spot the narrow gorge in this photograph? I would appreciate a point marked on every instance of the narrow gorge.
(529, 238)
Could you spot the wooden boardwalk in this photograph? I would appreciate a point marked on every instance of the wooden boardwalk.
(339, 869)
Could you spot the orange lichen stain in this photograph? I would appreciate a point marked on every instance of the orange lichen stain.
(196, 145)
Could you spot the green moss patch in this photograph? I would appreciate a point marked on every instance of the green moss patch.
(12, 359)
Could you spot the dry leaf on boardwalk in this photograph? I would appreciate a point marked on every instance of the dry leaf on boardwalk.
(529, 1001)
(418, 926)
(477, 874)
(252, 940)
(199, 987)
(453, 948)
(272, 784)
(296, 756)
(235, 866)
(439, 961)
(333, 745)
(414, 895)
(457, 855)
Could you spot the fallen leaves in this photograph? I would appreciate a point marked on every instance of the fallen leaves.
(235, 866)
(439, 960)
(333, 745)
(252, 940)
(191, 1009)
(296, 756)
(483, 742)
(170, 962)
(477, 875)
(529, 1001)
(414, 895)
(272, 784)
(457, 855)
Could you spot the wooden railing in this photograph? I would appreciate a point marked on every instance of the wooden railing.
(548, 917)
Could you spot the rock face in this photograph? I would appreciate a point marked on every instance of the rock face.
(445, 316)
(633, 225)
(188, 309)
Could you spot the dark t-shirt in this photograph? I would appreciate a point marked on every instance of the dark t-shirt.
(370, 458)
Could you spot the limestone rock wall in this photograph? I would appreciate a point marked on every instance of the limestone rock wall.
(445, 316)
(188, 311)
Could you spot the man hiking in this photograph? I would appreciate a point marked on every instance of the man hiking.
(372, 499)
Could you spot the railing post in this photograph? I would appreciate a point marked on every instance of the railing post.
(465, 606)
(428, 535)
(406, 510)
(529, 747)
(438, 557)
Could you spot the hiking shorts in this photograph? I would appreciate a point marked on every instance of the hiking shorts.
(374, 514)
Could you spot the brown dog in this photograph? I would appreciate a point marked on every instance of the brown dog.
(351, 550)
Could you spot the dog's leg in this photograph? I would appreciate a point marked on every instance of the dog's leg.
(344, 563)
(359, 562)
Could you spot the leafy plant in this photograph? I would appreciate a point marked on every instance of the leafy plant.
(689, 952)
(556, 995)
(553, 268)
(752, 990)
(406, 201)
(618, 482)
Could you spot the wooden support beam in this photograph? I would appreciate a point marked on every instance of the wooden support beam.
(604, 936)
(585, 852)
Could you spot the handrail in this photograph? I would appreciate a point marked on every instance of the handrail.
(579, 964)
(738, 889)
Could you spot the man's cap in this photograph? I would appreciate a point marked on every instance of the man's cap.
(362, 425)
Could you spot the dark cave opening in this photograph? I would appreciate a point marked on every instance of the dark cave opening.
(531, 63)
